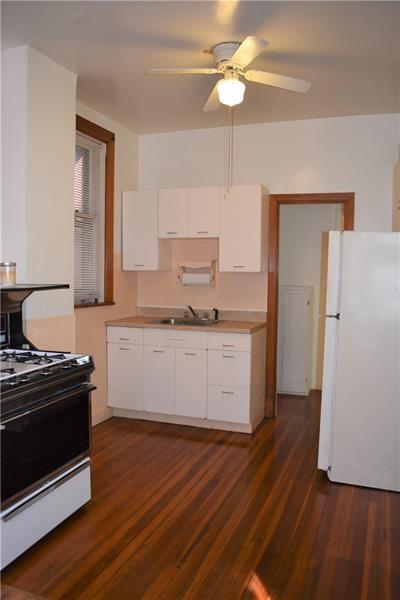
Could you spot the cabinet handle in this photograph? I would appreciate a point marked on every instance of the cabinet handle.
(124, 339)
(227, 356)
(238, 266)
(190, 354)
(202, 232)
(172, 232)
(224, 392)
(174, 340)
(159, 351)
(228, 345)
(125, 349)
(139, 265)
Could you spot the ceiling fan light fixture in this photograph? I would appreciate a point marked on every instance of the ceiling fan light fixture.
(231, 90)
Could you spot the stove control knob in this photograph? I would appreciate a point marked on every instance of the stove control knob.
(45, 373)
(24, 379)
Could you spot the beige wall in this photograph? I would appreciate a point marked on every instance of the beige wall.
(300, 244)
(245, 291)
(91, 333)
(90, 328)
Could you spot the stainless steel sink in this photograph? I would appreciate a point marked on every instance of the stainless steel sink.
(184, 321)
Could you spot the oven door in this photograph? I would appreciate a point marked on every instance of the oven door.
(41, 441)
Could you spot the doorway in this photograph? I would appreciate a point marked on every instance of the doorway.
(276, 202)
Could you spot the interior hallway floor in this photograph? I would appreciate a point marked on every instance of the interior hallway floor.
(180, 512)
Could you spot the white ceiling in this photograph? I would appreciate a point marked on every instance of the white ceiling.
(350, 51)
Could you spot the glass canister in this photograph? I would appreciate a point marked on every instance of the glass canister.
(8, 273)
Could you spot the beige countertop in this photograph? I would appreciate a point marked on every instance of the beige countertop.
(220, 327)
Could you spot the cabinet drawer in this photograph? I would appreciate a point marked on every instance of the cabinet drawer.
(229, 368)
(229, 341)
(228, 404)
(175, 338)
(126, 335)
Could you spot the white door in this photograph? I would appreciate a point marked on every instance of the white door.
(294, 339)
(159, 379)
(125, 376)
(173, 213)
(191, 382)
(204, 212)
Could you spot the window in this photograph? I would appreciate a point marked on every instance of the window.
(93, 214)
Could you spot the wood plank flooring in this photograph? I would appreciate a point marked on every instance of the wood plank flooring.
(179, 512)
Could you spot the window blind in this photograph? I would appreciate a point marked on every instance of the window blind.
(89, 220)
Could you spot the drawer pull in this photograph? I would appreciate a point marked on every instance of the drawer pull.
(159, 351)
(190, 354)
(124, 339)
(202, 232)
(223, 391)
(238, 266)
(228, 345)
(227, 356)
(174, 340)
(139, 265)
(172, 232)
(125, 349)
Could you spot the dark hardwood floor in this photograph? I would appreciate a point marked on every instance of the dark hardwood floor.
(179, 512)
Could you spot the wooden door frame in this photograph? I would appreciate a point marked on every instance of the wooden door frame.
(275, 202)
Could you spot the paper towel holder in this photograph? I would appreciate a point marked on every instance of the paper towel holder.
(198, 272)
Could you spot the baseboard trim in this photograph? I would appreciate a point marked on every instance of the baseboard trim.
(190, 421)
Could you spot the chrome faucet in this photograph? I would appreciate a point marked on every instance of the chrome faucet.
(194, 313)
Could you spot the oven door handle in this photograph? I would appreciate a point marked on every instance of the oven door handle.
(83, 388)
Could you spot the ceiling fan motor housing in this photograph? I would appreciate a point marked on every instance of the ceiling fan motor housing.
(223, 53)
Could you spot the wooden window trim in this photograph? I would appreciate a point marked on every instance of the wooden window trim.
(275, 202)
(108, 138)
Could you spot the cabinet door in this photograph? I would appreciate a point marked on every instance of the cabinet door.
(191, 382)
(243, 220)
(173, 213)
(159, 379)
(140, 245)
(203, 208)
(125, 376)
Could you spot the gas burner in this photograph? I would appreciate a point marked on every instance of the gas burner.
(29, 357)
(9, 371)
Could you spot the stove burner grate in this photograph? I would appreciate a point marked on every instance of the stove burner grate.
(30, 357)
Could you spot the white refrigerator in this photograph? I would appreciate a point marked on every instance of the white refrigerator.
(359, 439)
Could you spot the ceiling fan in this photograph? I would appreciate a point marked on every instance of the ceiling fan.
(231, 58)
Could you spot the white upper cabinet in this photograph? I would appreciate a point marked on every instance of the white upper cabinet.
(173, 213)
(243, 227)
(141, 248)
(203, 209)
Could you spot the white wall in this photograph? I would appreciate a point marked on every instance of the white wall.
(344, 154)
(39, 129)
(300, 243)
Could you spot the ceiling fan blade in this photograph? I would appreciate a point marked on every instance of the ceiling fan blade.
(212, 102)
(181, 71)
(248, 50)
(280, 81)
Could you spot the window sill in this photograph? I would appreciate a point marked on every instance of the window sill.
(94, 305)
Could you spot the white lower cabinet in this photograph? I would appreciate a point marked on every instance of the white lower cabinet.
(159, 379)
(228, 404)
(191, 382)
(181, 375)
(125, 376)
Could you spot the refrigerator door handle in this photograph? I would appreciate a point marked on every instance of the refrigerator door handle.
(337, 316)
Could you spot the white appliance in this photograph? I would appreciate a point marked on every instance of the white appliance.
(360, 413)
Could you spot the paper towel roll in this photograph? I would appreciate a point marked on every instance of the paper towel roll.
(196, 278)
